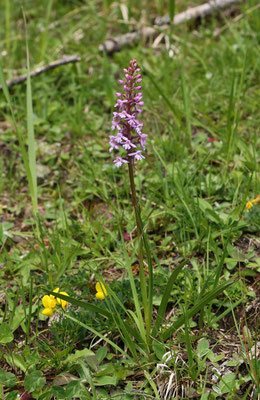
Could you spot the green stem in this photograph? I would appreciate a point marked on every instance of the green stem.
(140, 250)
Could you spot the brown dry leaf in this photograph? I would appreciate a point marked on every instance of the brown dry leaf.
(64, 379)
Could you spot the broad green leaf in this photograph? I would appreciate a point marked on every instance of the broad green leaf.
(227, 382)
(14, 395)
(34, 381)
(72, 389)
(58, 392)
(203, 347)
(101, 353)
(79, 354)
(106, 369)
(85, 374)
(17, 360)
(18, 318)
(7, 378)
(6, 335)
(159, 349)
(105, 380)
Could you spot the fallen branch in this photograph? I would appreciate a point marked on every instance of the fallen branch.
(112, 45)
(62, 61)
(192, 13)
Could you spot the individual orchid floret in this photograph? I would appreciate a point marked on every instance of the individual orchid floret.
(143, 137)
(137, 155)
(120, 161)
(127, 145)
(129, 104)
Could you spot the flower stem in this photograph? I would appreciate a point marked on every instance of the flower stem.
(140, 250)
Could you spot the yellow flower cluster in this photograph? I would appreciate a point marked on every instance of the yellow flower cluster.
(101, 291)
(50, 302)
(250, 203)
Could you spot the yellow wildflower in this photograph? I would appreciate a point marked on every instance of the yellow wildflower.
(56, 291)
(48, 311)
(64, 304)
(256, 200)
(101, 291)
(49, 304)
(249, 205)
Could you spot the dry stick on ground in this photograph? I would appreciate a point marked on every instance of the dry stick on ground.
(112, 45)
(62, 61)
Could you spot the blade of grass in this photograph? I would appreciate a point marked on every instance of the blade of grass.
(184, 199)
(83, 304)
(189, 348)
(171, 14)
(165, 98)
(152, 384)
(29, 311)
(30, 128)
(221, 262)
(7, 25)
(89, 328)
(18, 133)
(92, 307)
(150, 272)
(165, 298)
(187, 112)
(142, 277)
(235, 98)
(122, 326)
(197, 307)
(43, 39)
(227, 311)
(134, 291)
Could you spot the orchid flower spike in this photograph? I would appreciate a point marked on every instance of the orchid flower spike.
(129, 138)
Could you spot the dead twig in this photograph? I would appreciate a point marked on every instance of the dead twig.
(110, 46)
(116, 44)
(62, 61)
(192, 13)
